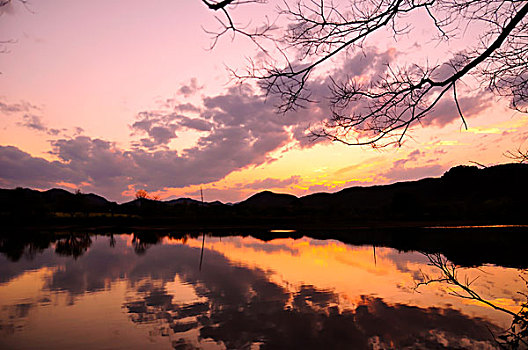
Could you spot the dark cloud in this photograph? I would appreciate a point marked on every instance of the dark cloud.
(161, 127)
(53, 132)
(20, 168)
(33, 122)
(195, 124)
(242, 107)
(241, 130)
(190, 89)
(509, 81)
(109, 169)
(369, 62)
(30, 118)
(415, 154)
(450, 67)
(370, 65)
(517, 88)
(162, 135)
(186, 107)
(404, 261)
(269, 248)
(97, 162)
(21, 107)
(446, 111)
(364, 68)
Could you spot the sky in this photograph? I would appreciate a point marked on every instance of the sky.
(110, 97)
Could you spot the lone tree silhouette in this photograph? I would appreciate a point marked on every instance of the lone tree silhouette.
(145, 195)
(380, 112)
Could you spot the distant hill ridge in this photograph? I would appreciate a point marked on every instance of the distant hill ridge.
(462, 193)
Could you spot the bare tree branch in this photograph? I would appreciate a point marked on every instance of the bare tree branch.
(382, 111)
(518, 155)
(513, 337)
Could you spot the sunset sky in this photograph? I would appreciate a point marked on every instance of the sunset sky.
(111, 97)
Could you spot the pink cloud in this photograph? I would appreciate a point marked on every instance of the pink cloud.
(269, 183)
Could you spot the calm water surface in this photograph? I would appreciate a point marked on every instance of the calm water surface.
(102, 292)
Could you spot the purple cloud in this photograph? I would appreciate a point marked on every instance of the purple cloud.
(237, 129)
(369, 62)
(186, 107)
(18, 168)
(21, 107)
(195, 124)
(401, 173)
(240, 129)
(445, 111)
(161, 127)
(190, 89)
(411, 157)
(33, 122)
(109, 170)
(249, 109)
(269, 183)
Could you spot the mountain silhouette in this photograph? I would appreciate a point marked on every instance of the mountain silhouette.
(495, 194)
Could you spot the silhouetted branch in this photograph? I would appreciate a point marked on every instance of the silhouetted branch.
(218, 5)
(478, 164)
(227, 24)
(517, 333)
(381, 111)
(518, 155)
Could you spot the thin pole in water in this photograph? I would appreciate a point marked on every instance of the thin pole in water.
(201, 254)
(203, 235)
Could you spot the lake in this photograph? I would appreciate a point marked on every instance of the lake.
(131, 292)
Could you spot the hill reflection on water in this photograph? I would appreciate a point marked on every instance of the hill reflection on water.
(147, 291)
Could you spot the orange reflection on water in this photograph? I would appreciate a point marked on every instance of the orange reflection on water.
(355, 271)
(140, 292)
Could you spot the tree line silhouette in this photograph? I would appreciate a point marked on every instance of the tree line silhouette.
(464, 194)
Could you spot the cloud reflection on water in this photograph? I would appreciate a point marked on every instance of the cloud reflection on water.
(240, 303)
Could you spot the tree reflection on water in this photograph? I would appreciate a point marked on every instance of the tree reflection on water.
(516, 336)
(74, 245)
(142, 242)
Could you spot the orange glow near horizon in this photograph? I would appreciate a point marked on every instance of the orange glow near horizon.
(59, 83)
